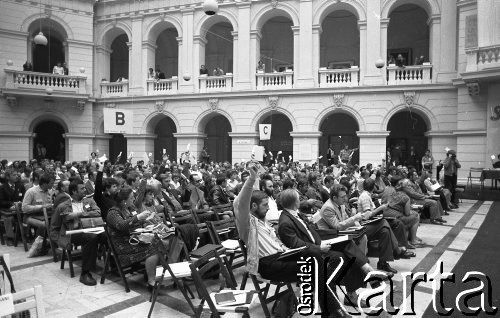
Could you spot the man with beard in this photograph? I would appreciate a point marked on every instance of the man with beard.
(105, 194)
(266, 185)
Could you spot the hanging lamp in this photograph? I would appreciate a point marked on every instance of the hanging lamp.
(40, 39)
(210, 7)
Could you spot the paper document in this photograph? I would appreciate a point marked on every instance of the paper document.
(336, 240)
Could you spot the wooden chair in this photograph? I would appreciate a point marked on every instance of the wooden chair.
(67, 253)
(263, 292)
(171, 269)
(31, 298)
(225, 233)
(475, 174)
(198, 269)
(123, 264)
(181, 217)
(221, 208)
(47, 236)
(21, 226)
(204, 215)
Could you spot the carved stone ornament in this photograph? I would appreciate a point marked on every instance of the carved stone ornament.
(80, 104)
(274, 3)
(213, 103)
(409, 98)
(110, 105)
(473, 88)
(338, 100)
(11, 101)
(160, 106)
(273, 101)
(495, 113)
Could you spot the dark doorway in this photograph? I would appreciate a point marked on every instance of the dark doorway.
(49, 141)
(280, 136)
(119, 58)
(407, 130)
(45, 57)
(339, 130)
(165, 139)
(117, 144)
(218, 143)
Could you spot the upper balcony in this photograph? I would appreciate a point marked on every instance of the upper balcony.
(409, 75)
(482, 63)
(27, 83)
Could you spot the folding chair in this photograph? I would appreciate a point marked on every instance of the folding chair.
(67, 253)
(221, 208)
(23, 301)
(46, 235)
(225, 233)
(175, 271)
(202, 266)
(263, 292)
(123, 264)
(203, 215)
(181, 217)
(475, 174)
(20, 226)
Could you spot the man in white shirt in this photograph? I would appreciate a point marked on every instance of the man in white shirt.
(273, 214)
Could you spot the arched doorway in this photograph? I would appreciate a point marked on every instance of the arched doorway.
(218, 142)
(165, 139)
(407, 129)
(117, 144)
(339, 130)
(49, 142)
(45, 57)
(281, 140)
(408, 35)
(276, 46)
(219, 48)
(119, 58)
(339, 40)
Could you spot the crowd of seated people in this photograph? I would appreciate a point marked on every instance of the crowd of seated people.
(277, 206)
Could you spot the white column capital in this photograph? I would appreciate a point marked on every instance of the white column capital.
(256, 34)
(129, 44)
(361, 25)
(235, 35)
(103, 49)
(434, 19)
(384, 23)
(316, 28)
(179, 40)
(295, 29)
(146, 44)
(198, 39)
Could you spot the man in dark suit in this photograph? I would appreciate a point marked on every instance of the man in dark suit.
(105, 194)
(295, 231)
(11, 191)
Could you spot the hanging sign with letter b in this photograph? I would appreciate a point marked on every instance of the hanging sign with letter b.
(118, 121)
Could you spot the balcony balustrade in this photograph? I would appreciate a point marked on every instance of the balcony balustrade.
(42, 81)
(114, 89)
(162, 86)
(276, 80)
(209, 84)
(339, 77)
(415, 74)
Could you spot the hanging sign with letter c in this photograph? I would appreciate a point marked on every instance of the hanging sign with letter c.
(265, 131)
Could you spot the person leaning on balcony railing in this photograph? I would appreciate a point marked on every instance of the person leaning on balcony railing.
(28, 66)
(261, 67)
(151, 73)
(65, 68)
(203, 70)
(58, 69)
(401, 61)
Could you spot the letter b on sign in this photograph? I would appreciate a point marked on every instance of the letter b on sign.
(120, 119)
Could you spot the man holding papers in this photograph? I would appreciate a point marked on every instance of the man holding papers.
(67, 217)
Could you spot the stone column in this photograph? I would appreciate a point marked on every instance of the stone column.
(194, 140)
(236, 58)
(373, 75)
(296, 52)
(102, 67)
(316, 52)
(362, 50)
(372, 147)
(186, 53)
(243, 70)
(140, 144)
(448, 40)
(255, 37)
(136, 69)
(148, 60)
(304, 71)
(434, 23)
(199, 58)
(242, 144)
(305, 146)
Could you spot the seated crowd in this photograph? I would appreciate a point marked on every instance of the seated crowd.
(277, 206)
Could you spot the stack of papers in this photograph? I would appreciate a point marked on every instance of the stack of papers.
(336, 240)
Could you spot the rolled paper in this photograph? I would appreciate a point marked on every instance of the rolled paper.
(164, 151)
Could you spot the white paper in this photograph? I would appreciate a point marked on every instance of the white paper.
(336, 240)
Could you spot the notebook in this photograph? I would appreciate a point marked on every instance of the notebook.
(202, 251)
(436, 186)
(234, 297)
(291, 252)
(224, 298)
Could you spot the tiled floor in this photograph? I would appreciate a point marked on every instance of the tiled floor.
(67, 297)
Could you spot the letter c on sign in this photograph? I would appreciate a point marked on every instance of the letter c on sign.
(120, 119)
(266, 129)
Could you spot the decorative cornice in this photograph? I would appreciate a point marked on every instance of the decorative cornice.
(198, 39)
(80, 104)
(295, 29)
(306, 134)
(79, 136)
(255, 34)
(140, 136)
(317, 28)
(470, 133)
(252, 134)
(189, 135)
(13, 34)
(434, 19)
(79, 43)
(384, 22)
(362, 25)
(110, 105)
(146, 44)
(473, 88)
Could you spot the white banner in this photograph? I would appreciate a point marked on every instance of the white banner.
(118, 121)
(265, 131)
